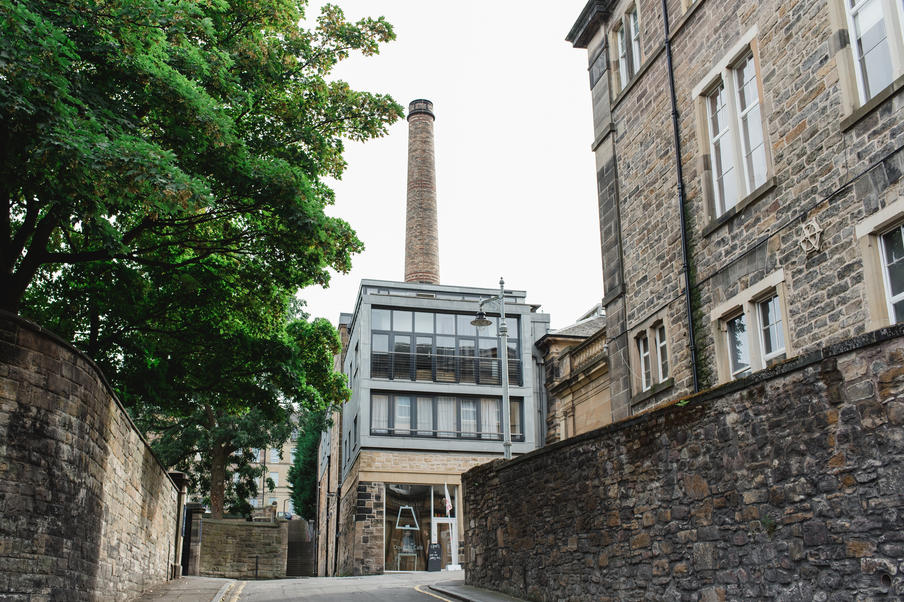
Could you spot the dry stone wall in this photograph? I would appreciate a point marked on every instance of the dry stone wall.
(787, 485)
(86, 510)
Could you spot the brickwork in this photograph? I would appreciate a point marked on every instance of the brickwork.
(421, 233)
(828, 161)
(238, 549)
(86, 510)
(784, 486)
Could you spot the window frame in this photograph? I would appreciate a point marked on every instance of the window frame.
(747, 303)
(893, 18)
(762, 327)
(657, 343)
(869, 232)
(471, 369)
(625, 40)
(890, 299)
(744, 338)
(727, 74)
(662, 352)
(414, 430)
(646, 362)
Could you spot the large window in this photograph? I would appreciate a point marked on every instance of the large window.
(893, 271)
(626, 41)
(738, 164)
(439, 347)
(875, 32)
(448, 417)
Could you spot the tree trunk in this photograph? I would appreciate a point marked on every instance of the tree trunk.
(217, 480)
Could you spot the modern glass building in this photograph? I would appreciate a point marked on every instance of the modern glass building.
(426, 406)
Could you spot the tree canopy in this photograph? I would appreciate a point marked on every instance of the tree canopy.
(303, 473)
(150, 133)
(163, 163)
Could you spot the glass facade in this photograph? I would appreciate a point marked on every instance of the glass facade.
(443, 416)
(441, 347)
(416, 516)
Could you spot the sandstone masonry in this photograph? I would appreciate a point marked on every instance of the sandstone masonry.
(421, 230)
(239, 549)
(86, 510)
(786, 485)
(808, 230)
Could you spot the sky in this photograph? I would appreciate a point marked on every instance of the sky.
(515, 176)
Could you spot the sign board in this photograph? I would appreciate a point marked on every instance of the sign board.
(434, 558)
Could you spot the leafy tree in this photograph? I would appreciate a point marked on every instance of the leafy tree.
(158, 133)
(232, 408)
(163, 165)
(303, 473)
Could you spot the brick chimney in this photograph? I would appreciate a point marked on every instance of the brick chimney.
(421, 235)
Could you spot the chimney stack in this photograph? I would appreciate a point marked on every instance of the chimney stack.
(421, 235)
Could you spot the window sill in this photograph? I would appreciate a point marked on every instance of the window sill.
(751, 198)
(657, 388)
(872, 104)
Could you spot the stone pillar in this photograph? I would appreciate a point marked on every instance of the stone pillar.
(421, 235)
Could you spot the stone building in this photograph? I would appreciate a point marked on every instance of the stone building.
(749, 160)
(577, 377)
(426, 400)
(276, 463)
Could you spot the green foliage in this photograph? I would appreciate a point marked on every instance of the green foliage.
(163, 165)
(705, 377)
(158, 133)
(303, 473)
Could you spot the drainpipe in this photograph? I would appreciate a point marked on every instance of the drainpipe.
(681, 200)
(336, 542)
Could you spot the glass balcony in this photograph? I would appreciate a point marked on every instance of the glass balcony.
(443, 368)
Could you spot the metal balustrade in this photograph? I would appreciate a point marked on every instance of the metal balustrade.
(441, 368)
(468, 435)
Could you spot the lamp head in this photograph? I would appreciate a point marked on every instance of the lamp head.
(480, 320)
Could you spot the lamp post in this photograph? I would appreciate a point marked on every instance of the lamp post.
(481, 320)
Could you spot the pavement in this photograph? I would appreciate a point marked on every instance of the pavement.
(467, 593)
(189, 589)
(210, 589)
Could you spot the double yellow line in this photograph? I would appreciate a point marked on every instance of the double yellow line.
(235, 592)
(417, 588)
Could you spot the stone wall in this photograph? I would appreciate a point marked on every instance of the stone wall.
(786, 485)
(239, 549)
(348, 498)
(86, 510)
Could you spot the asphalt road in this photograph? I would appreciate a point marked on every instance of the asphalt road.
(400, 587)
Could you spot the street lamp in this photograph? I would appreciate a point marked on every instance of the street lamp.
(481, 320)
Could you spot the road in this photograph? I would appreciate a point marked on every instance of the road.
(394, 587)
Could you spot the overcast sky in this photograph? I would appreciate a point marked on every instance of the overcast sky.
(515, 176)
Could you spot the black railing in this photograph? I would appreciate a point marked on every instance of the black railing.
(439, 434)
(443, 368)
